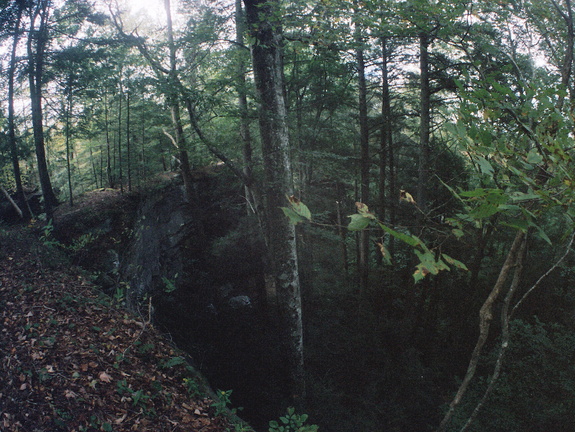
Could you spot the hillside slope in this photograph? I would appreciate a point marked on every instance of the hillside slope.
(73, 360)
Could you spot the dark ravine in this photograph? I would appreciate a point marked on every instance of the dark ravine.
(210, 252)
(145, 244)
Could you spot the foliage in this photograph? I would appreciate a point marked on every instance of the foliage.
(170, 284)
(223, 402)
(292, 422)
(537, 370)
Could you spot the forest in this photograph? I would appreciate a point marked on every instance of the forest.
(392, 181)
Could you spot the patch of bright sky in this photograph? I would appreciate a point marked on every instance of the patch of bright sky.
(144, 14)
(152, 9)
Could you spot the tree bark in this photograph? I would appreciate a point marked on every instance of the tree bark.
(128, 141)
(21, 196)
(120, 172)
(386, 150)
(364, 163)
(9, 198)
(281, 239)
(68, 138)
(173, 100)
(424, 131)
(485, 318)
(109, 174)
(37, 42)
(245, 134)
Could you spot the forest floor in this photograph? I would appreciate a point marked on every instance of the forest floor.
(72, 359)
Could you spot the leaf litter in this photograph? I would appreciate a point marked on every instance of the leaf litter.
(73, 361)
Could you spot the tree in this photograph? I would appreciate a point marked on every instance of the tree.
(364, 158)
(38, 41)
(17, 9)
(264, 28)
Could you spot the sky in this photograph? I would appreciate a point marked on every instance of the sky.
(152, 7)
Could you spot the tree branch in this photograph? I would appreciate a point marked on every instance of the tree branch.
(505, 335)
(485, 318)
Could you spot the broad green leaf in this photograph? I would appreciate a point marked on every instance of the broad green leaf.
(541, 233)
(420, 273)
(454, 262)
(386, 256)
(520, 224)
(457, 232)
(522, 196)
(485, 166)
(400, 236)
(484, 211)
(474, 193)
(298, 207)
(358, 222)
(293, 217)
(363, 210)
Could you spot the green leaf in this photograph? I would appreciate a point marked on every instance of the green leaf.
(299, 207)
(485, 166)
(479, 192)
(174, 361)
(420, 273)
(293, 217)
(363, 210)
(542, 233)
(454, 262)
(297, 211)
(386, 256)
(358, 222)
(412, 241)
(457, 232)
(520, 224)
(522, 196)
(484, 211)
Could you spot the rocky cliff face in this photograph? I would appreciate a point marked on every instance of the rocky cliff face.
(167, 236)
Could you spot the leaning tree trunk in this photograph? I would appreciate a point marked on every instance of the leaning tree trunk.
(485, 318)
(281, 239)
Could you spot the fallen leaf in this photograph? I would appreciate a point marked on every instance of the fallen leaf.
(104, 377)
(70, 394)
(121, 419)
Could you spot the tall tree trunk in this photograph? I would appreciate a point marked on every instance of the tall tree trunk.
(245, 134)
(68, 133)
(567, 66)
(109, 174)
(262, 18)
(128, 141)
(142, 177)
(94, 168)
(364, 162)
(37, 42)
(424, 125)
(386, 151)
(173, 100)
(120, 172)
(21, 196)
